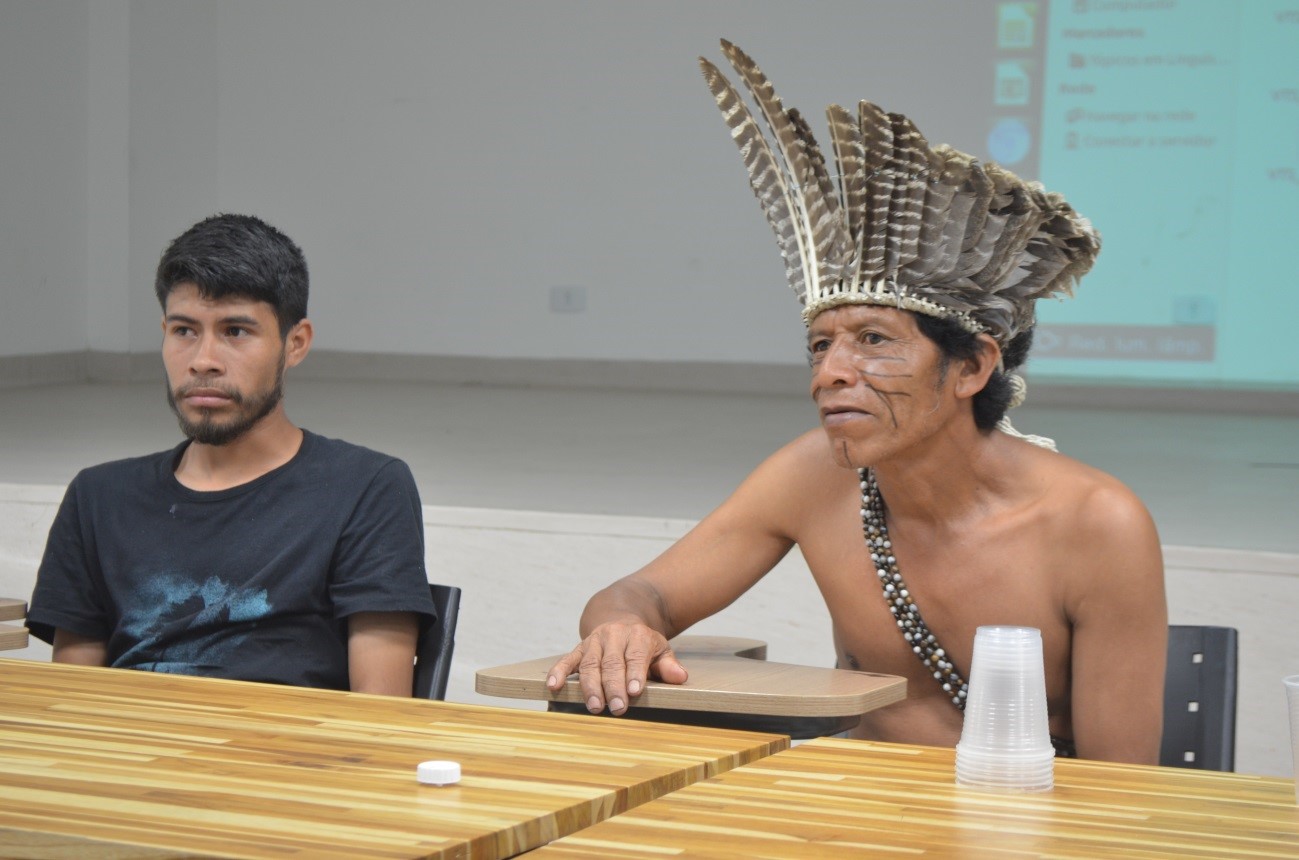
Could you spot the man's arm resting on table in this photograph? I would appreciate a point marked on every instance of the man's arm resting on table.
(71, 647)
(626, 626)
(1120, 639)
(381, 652)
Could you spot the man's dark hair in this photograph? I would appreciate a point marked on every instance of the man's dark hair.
(238, 255)
(956, 343)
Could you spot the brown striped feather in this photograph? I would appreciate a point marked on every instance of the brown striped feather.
(817, 221)
(765, 176)
(912, 157)
(850, 160)
(829, 234)
(877, 140)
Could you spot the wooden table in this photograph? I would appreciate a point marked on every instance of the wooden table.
(727, 676)
(125, 764)
(12, 635)
(839, 798)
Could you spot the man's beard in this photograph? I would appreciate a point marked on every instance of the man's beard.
(251, 410)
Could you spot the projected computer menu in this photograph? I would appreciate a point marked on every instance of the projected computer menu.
(1174, 126)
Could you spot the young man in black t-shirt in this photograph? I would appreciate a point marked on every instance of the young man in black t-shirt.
(255, 549)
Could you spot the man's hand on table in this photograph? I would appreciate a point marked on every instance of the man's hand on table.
(614, 662)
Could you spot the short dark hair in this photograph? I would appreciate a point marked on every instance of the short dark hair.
(956, 343)
(238, 255)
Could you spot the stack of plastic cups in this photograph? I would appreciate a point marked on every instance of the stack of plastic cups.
(1006, 741)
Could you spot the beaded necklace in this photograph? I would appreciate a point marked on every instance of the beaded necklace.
(898, 597)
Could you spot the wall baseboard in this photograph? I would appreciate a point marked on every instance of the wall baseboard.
(732, 377)
(18, 371)
(61, 368)
(695, 376)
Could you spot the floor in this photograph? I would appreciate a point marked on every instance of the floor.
(1211, 480)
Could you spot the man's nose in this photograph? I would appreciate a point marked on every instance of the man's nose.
(837, 366)
(206, 358)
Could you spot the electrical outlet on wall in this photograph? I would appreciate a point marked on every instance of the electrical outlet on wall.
(567, 300)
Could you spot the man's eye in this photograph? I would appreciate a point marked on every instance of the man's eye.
(236, 331)
(872, 338)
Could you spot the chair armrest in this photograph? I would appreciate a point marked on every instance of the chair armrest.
(12, 636)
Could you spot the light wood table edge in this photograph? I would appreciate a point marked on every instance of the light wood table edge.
(40, 845)
(54, 844)
(1096, 809)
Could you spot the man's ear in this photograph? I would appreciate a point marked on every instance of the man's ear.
(298, 342)
(973, 372)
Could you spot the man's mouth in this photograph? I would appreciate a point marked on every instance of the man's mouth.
(834, 415)
(206, 398)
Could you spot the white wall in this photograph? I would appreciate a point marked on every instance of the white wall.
(108, 222)
(526, 575)
(443, 164)
(174, 137)
(42, 177)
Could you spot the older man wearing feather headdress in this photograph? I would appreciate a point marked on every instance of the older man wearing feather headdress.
(921, 512)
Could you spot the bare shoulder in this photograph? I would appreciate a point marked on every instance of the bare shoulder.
(807, 459)
(1100, 533)
(1092, 505)
(790, 486)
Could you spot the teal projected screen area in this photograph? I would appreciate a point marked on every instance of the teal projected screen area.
(1174, 126)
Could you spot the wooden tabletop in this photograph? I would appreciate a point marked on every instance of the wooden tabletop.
(124, 764)
(838, 798)
(724, 676)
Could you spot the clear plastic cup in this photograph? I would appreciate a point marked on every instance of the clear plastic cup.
(1006, 740)
(1292, 699)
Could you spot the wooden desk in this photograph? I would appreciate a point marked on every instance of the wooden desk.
(837, 798)
(12, 635)
(727, 675)
(125, 764)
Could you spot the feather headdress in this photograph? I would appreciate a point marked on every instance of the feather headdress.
(926, 229)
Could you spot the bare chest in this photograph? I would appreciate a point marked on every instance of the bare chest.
(957, 581)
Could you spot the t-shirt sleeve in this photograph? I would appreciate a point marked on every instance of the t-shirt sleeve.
(67, 594)
(379, 565)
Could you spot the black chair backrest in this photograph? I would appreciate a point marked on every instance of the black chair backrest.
(1200, 699)
(436, 645)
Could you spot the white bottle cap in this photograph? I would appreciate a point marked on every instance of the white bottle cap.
(438, 772)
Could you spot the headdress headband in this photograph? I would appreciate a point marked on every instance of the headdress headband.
(929, 230)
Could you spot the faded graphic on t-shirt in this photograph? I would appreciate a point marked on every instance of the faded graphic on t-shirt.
(200, 622)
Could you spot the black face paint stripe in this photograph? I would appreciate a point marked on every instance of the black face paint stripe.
(885, 397)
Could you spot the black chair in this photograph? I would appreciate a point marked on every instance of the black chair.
(1200, 699)
(436, 645)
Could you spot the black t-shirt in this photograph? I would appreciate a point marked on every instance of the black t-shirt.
(254, 582)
